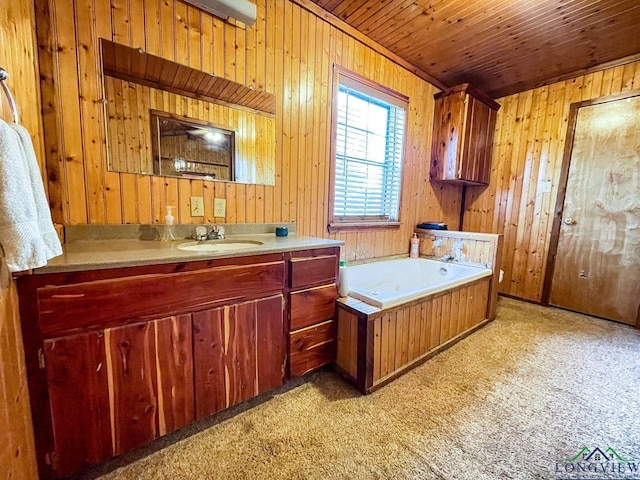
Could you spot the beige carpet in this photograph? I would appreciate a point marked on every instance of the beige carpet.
(513, 400)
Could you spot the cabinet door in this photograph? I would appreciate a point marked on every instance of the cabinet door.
(448, 132)
(150, 369)
(79, 398)
(462, 141)
(113, 390)
(238, 351)
(475, 161)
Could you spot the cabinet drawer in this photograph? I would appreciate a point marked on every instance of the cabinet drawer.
(313, 270)
(95, 303)
(311, 306)
(311, 348)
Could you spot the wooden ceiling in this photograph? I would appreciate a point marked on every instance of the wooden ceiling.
(499, 46)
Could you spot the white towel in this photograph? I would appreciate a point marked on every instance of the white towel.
(27, 235)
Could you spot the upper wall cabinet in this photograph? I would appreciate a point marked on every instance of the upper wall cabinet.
(463, 126)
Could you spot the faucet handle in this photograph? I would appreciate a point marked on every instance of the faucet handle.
(201, 233)
(220, 230)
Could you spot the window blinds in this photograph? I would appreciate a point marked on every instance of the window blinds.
(368, 163)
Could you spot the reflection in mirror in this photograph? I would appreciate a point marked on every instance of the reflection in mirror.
(184, 147)
(132, 111)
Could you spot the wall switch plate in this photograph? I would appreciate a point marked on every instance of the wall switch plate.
(546, 186)
(197, 207)
(219, 207)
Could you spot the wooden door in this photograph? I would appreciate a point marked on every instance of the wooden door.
(239, 352)
(597, 264)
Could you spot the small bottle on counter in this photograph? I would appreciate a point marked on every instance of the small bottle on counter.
(168, 234)
(414, 251)
(343, 279)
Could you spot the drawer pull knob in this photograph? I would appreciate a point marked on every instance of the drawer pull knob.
(68, 295)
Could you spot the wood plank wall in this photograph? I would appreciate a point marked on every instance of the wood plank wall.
(18, 57)
(530, 135)
(17, 450)
(288, 52)
(130, 137)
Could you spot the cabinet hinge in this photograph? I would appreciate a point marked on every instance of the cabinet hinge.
(41, 362)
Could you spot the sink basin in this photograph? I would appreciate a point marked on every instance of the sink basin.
(218, 245)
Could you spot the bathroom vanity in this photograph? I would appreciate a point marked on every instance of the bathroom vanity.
(122, 351)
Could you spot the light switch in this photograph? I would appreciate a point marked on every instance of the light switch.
(197, 207)
(546, 186)
(219, 207)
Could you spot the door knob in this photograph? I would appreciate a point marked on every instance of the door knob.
(569, 221)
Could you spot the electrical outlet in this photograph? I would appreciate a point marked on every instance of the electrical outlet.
(197, 207)
(220, 207)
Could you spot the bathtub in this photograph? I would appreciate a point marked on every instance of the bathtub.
(389, 283)
(401, 312)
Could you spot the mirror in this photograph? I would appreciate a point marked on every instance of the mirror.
(161, 118)
(184, 147)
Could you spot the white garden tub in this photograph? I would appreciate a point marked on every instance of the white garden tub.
(389, 283)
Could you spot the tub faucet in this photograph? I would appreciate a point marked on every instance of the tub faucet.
(447, 258)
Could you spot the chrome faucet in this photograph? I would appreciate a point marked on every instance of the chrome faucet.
(217, 232)
(447, 258)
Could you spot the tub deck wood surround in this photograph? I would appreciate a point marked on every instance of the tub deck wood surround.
(376, 346)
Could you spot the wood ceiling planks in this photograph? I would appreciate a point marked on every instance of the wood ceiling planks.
(501, 46)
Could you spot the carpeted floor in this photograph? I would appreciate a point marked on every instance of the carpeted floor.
(517, 399)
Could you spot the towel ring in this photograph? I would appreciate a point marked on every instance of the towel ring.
(12, 103)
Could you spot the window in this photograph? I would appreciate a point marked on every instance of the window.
(368, 128)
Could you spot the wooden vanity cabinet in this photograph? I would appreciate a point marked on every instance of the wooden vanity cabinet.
(118, 357)
(462, 141)
(311, 310)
